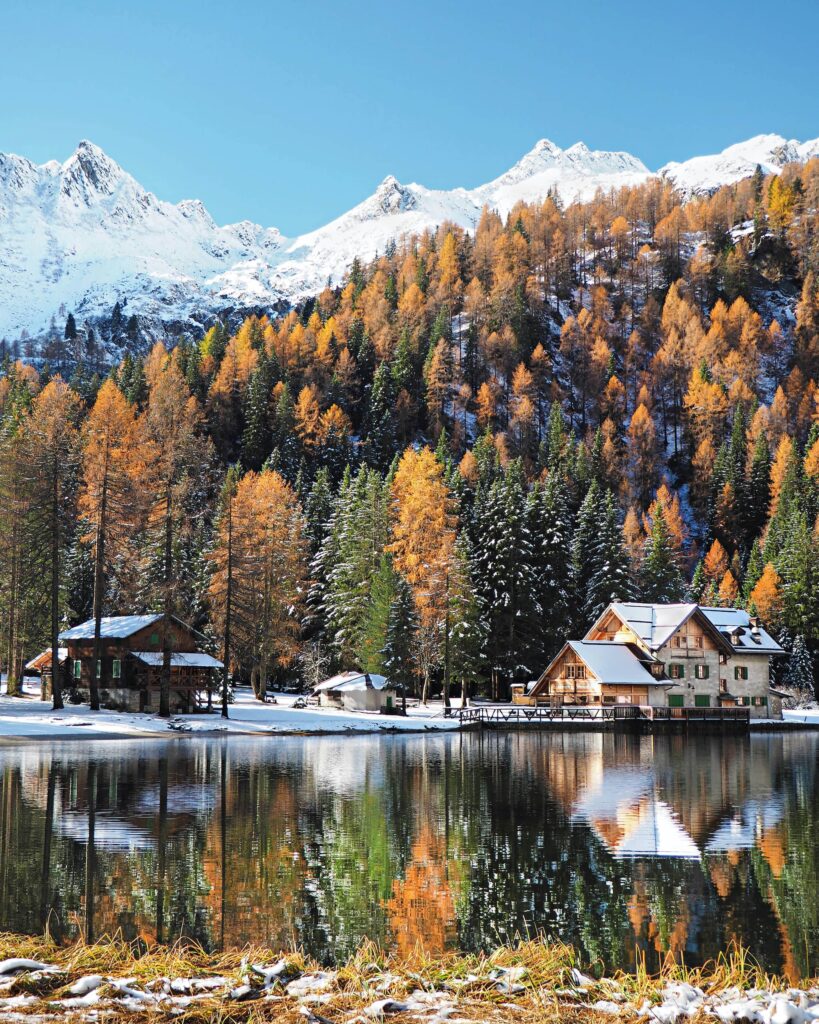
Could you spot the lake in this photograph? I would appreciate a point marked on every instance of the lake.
(625, 846)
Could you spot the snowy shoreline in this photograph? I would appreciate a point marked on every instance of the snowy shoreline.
(27, 718)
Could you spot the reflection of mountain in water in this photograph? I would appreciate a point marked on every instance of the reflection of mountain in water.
(622, 845)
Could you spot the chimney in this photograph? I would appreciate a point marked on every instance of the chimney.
(755, 623)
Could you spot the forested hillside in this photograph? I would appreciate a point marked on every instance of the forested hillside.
(451, 464)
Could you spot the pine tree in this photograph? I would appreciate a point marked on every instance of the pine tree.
(257, 435)
(398, 653)
(380, 445)
(660, 580)
(504, 578)
(467, 630)
(551, 531)
(383, 585)
(611, 578)
(800, 678)
(318, 510)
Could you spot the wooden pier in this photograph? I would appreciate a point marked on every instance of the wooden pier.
(617, 716)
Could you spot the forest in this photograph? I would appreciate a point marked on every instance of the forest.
(451, 464)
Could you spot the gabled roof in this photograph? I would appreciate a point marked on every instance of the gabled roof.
(737, 622)
(179, 659)
(349, 682)
(43, 660)
(112, 627)
(613, 663)
(655, 624)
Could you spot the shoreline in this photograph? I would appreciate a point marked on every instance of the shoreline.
(527, 981)
(27, 719)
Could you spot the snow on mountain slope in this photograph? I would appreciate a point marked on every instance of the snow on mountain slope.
(575, 173)
(706, 173)
(83, 234)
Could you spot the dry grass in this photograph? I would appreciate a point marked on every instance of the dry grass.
(470, 982)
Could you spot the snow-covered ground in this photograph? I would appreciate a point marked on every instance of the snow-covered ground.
(28, 717)
(803, 716)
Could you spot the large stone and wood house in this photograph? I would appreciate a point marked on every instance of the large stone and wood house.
(130, 668)
(667, 655)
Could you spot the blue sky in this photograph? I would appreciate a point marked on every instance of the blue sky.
(289, 113)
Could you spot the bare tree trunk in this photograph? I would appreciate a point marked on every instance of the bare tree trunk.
(56, 681)
(12, 682)
(99, 562)
(165, 677)
(228, 610)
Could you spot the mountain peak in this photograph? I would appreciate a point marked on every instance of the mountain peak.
(89, 170)
(392, 197)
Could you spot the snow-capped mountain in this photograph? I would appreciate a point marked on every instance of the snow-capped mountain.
(83, 234)
(707, 173)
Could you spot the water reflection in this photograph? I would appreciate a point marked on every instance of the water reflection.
(623, 845)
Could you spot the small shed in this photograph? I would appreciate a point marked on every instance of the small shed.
(42, 665)
(357, 691)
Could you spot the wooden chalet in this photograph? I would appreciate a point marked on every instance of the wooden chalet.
(671, 655)
(129, 670)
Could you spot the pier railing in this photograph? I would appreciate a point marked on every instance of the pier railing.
(518, 714)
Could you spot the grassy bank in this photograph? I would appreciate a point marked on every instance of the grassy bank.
(528, 982)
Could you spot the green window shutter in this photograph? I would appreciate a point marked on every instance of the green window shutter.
(706, 671)
(77, 668)
(99, 668)
(702, 700)
(675, 700)
(116, 668)
(154, 639)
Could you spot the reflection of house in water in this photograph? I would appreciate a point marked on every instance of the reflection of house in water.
(654, 798)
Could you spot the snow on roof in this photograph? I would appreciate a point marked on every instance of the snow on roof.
(45, 658)
(653, 623)
(179, 659)
(614, 663)
(656, 832)
(737, 621)
(112, 627)
(349, 682)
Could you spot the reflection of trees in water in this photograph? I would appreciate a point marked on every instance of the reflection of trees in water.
(465, 840)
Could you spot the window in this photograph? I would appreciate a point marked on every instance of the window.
(740, 671)
(723, 686)
(745, 701)
(657, 669)
(701, 671)
(77, 668)
(116, 668)
(702, 700)
(679, 641)
(760, 702)
(676, 671)
(675, 700)
(698, 642)
(575, 671)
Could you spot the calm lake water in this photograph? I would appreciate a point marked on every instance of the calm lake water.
(625, 846)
